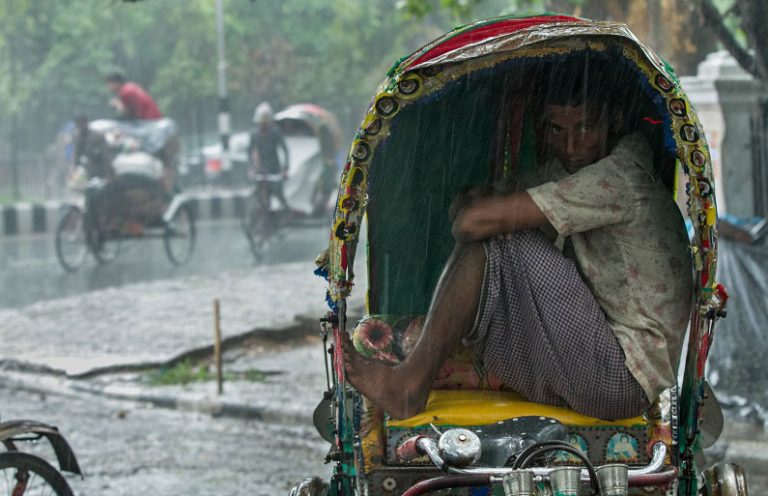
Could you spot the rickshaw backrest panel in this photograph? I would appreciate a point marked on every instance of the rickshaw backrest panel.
(428, 159)
(415, 198)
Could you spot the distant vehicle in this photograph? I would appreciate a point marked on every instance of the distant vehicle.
(215, 170)
(313, 137)
(123, 195)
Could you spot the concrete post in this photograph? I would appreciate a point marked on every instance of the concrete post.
(725, 97)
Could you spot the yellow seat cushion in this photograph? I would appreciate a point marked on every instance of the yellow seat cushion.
(470, 407)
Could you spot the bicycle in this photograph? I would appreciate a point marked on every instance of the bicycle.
(27, 474)
(260, 222)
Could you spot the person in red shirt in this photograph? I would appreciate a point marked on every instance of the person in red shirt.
(133, 102)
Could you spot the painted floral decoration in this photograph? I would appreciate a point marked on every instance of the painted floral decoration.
(374, 338)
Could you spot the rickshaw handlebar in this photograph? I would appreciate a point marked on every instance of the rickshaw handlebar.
(265, 178)
(649, 475)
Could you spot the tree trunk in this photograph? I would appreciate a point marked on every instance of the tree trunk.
(714, 20)
(754, 20)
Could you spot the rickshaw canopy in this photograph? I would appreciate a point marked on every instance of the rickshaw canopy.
(430, 132)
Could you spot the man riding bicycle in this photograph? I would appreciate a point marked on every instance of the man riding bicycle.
(263, 146)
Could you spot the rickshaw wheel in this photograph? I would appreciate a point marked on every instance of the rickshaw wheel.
(180, 235)
(71, 245)
(22, 473)
(104, 250)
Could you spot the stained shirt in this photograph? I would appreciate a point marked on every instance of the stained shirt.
(632, 250)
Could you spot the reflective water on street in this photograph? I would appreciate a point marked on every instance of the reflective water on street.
(29, 271)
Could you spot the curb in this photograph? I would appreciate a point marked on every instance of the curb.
(208, 405)
(749, 453)
(35, 218)
(48, 381)
(302, 326)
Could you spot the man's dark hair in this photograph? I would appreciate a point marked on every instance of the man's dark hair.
(115, 77)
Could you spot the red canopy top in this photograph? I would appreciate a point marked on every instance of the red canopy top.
(478, 32)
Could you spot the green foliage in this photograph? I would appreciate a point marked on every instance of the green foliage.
(186, 372)
(182, 373)
(54, 56)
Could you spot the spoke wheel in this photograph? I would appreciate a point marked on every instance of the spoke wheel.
(108, 251)
(104, 249)
(28, 475)
(180, 236)
(258, 226)
(71, 246)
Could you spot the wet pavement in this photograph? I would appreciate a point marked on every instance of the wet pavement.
(154, 322)
(129, 448)
(29, 271)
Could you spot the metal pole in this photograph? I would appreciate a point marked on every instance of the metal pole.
(217, 345)
(224, 121)
(14, 116)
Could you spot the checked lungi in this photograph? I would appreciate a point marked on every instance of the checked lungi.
(539, 329)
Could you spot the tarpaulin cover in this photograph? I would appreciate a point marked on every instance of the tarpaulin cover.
(737, 369)
(151, 135)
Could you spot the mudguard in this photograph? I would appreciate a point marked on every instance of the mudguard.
(176, 203)
(16, 430)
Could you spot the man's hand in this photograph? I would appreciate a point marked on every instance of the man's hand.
(465, 198)
(489, 216)
(117, 104)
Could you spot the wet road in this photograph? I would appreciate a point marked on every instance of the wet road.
(29, 270)
(128, 448)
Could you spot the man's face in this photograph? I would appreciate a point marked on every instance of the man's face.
(113, 87)
(577, 136)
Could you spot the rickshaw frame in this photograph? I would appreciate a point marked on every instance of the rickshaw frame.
(179, 205)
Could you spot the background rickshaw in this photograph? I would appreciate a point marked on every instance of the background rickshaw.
(431, 130)
(125, 175)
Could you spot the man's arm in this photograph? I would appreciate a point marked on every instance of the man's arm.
(129, 103)
(492, 215)
(253, 154)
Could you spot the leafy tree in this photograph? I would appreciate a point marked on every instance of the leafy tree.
(54, 56)
(751, 18)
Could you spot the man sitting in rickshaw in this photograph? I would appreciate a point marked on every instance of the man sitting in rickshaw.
(592, 316)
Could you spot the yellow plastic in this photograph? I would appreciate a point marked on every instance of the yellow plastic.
(711, 216)
(469, 407)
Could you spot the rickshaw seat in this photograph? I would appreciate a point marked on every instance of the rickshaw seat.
(466, 395)
(478, 407)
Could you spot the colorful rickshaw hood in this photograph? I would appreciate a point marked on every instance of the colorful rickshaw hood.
(484, 44)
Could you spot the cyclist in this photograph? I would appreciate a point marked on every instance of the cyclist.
(263, 146)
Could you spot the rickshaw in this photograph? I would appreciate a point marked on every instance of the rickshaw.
(435, 126)
(318, 170)
(122, 169)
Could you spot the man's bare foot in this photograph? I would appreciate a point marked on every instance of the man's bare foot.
(387, 386)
